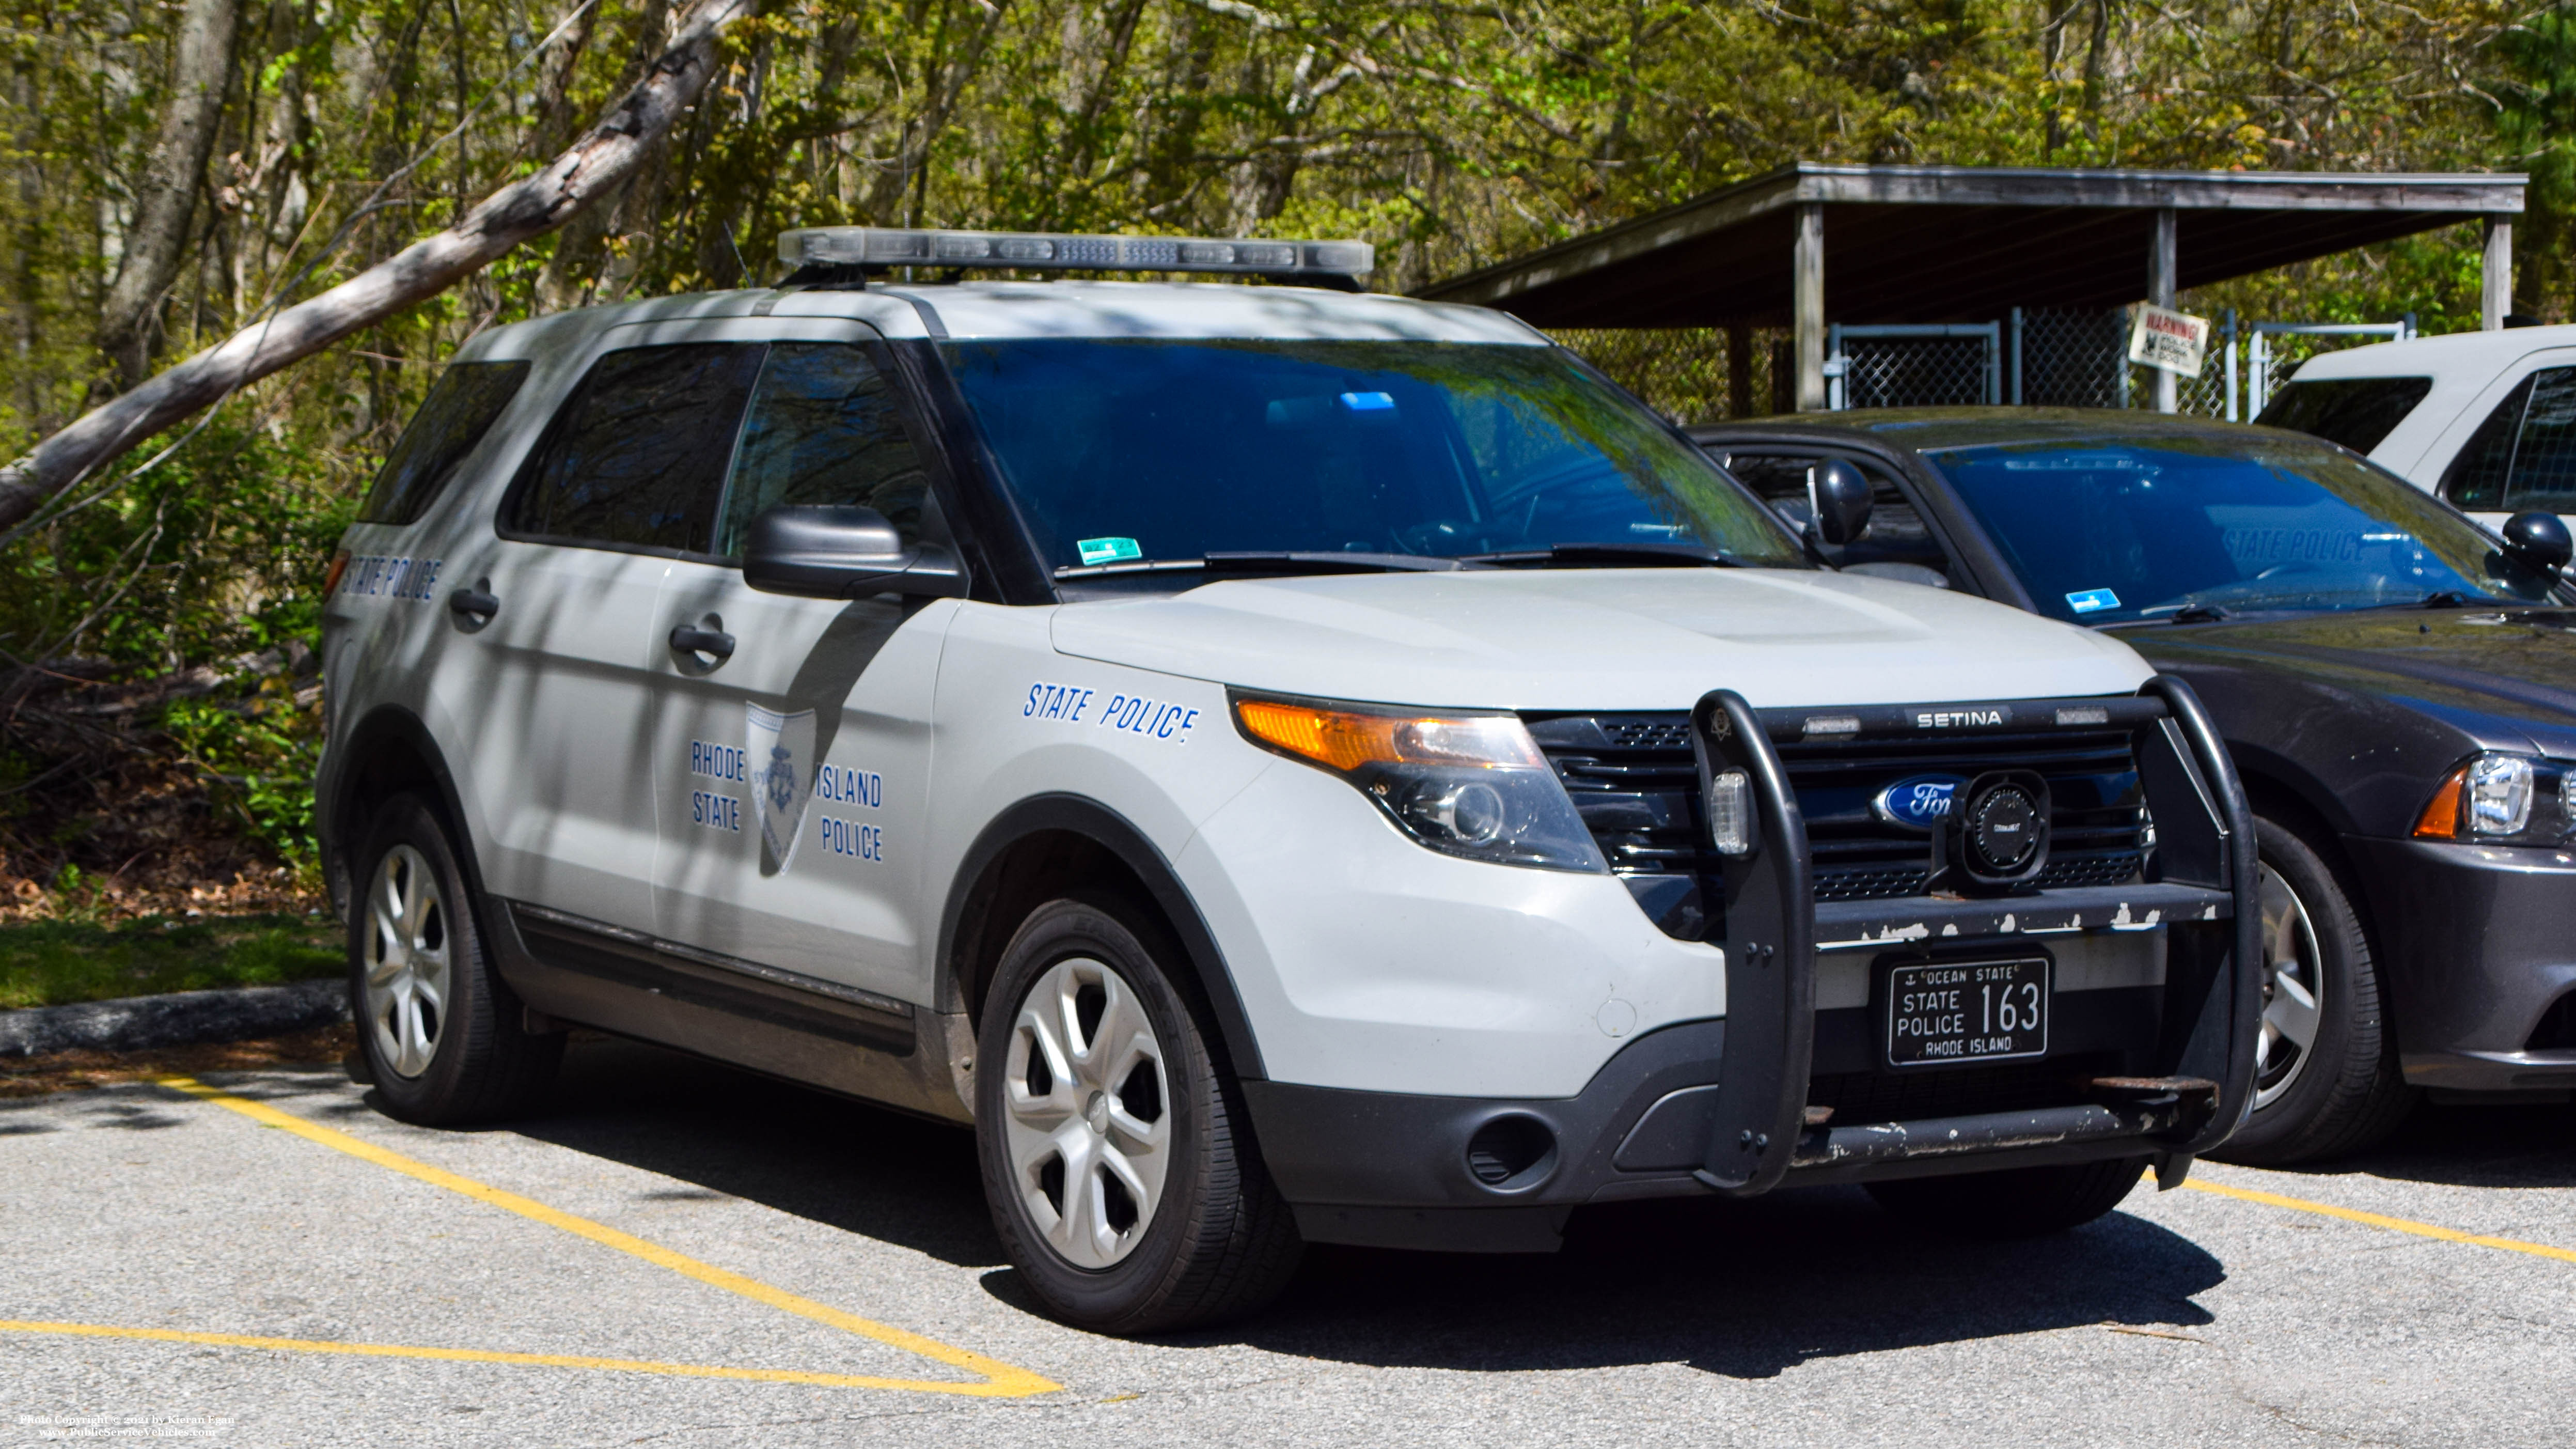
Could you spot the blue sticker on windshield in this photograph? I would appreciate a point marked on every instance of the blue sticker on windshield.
(2091, 599)
(1108, 550)
(1368, 402)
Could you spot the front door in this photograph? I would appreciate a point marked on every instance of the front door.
(791, 770)
(588, 531)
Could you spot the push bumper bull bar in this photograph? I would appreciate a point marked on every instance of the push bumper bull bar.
(1762, 1130)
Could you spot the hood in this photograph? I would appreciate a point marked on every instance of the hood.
(2506, 677)
(1601, 639)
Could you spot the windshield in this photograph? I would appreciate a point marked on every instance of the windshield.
(1121, 450)
(2110, 532)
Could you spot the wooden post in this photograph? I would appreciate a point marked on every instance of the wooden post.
(2160, 291)
(2495, 286)
(1807, 306)
(1739, 370)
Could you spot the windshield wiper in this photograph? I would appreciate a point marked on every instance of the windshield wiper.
(1584, 555)
(1287, 562)
(2197, 614)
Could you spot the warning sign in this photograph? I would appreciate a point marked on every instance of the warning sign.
(2174, 341)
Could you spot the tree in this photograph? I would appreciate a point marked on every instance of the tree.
(592, 167)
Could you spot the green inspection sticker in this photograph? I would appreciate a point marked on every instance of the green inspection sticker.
(1108, 550)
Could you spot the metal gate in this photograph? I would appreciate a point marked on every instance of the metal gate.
(1925, 365)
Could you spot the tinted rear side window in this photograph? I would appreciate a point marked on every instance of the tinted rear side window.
(452, 419)
(637, 456)
(2354, 411)
(2524, 455)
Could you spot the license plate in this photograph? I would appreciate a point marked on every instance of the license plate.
(1941, 1014)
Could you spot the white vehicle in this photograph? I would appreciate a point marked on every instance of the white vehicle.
(2485, 420)
(1284, 766)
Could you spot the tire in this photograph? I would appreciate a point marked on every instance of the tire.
(1117, 1157)
(2340, 1089)
(439, 1032)
(2018, 1202)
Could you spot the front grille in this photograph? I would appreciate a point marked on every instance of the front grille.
(1633, 779)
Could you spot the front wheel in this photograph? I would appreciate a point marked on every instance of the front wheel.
(2326, 1078)
(1117, 1159)
(2018, 1202)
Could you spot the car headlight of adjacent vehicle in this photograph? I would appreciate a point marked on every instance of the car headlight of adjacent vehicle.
(1464, 784)
(2504, 799)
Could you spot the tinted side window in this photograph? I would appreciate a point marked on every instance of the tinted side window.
(2475, 480)
(824, 428)
(2355, 411)
(452, 419)
(1896, 532)
(637, 455)
(2544, 457)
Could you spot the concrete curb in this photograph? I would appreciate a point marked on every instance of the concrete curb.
(182, 1018)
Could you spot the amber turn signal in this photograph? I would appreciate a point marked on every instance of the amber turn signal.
(1344, 740)
(331, 577)
(2441, 817)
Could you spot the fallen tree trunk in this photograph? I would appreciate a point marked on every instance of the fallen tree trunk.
(590, 168)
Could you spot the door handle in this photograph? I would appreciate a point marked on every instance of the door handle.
(688, 639)
(473, 604)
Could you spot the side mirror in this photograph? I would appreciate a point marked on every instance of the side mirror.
(2537, 541)
(836, 551)
(1838, 500)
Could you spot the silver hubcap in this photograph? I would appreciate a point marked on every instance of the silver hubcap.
(1088, 1120)
(2293, 990)
(406, 961)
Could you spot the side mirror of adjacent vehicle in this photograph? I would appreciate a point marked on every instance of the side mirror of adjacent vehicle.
(1838, 500)
(2537, 541)
(838, 551)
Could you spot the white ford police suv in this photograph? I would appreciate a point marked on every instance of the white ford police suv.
(1286, 766)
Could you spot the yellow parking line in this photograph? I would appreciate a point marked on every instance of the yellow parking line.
(1000, 1380)
(2379, 1220)
(476, 1355)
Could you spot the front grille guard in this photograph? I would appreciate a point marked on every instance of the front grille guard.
(1774, 925)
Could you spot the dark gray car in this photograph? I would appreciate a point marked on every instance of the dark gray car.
(2397, 686)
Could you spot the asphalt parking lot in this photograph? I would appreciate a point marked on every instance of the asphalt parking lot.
(678, 1254)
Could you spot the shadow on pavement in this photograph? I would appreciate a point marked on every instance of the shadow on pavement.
(844, 1164)
(1740, 1289)
(2471, 1147)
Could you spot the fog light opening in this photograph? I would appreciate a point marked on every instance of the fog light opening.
(1511, 1151)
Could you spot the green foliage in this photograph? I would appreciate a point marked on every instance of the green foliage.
(259, 754)
(52, 963)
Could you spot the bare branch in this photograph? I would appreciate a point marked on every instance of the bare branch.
(592, 167)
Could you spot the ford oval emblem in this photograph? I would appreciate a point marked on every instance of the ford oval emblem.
(1917, 802)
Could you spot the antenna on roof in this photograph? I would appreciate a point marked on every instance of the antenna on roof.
(820, 252)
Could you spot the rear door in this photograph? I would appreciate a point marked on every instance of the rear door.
(624, 480)
(791, 770)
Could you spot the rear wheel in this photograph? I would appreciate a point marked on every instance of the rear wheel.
(2326, 1078)
(443, 1038)
(1117, 1158)
(2018, 1202)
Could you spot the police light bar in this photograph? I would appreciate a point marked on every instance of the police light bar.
(872, 246)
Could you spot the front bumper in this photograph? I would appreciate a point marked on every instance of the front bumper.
(1762, 1099)
(1397, 1170)
(2476, 943)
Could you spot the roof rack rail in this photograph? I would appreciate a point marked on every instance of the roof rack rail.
(830, 249)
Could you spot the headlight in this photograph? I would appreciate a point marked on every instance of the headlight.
(2507, 799)
(1472, 785)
